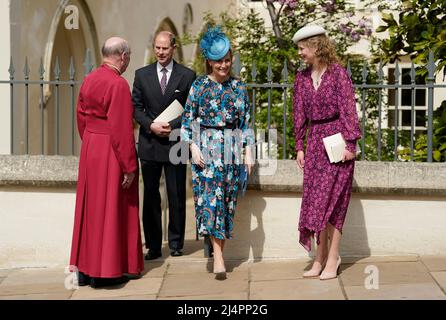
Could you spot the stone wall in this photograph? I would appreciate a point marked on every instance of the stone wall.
(396, 208)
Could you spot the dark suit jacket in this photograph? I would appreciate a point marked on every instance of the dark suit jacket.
(149, 103)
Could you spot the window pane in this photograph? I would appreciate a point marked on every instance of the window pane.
(406, 76)
(406, 118)
(420, 97)
(420, 79)
(391, 76)
(406, 97)
(391, 97)
(420, 118)
(390, 118)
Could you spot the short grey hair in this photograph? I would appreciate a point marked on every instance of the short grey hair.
(115, 49)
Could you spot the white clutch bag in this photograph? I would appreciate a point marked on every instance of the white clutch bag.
(335, 146)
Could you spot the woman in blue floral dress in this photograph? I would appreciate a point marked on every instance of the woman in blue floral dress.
(216, 125)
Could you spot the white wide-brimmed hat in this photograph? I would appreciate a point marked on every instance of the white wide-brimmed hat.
(307, 32)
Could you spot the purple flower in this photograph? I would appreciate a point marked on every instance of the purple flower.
(329, 8)
(310, 8)
(292, 4)
(361, 23)
(289, 13)
(345, 29)
(355, 36)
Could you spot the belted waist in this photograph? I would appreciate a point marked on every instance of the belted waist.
(323, 121)
(97, 125)
(228, 125)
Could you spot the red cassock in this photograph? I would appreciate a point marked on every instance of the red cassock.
(106, 236)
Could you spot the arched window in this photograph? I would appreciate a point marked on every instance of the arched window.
(65, 43)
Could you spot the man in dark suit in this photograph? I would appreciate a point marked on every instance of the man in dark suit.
(155, 87)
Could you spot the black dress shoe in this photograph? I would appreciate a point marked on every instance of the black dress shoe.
(83, 279)
(133, 276)
(107, 282)
(176, 253)
(152, 255)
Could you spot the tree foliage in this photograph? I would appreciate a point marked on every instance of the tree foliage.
(264, 47)
(419, 28)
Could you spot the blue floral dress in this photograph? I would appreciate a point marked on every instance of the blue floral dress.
(212, 110)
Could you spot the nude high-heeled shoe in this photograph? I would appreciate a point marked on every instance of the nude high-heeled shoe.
(331, 275)
(220, 273)
(312, 274)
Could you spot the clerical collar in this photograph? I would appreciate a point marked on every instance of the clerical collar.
(113, 67)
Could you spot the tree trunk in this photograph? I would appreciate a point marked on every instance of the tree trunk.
(275, 23)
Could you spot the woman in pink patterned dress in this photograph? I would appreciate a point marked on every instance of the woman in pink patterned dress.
(324, 104)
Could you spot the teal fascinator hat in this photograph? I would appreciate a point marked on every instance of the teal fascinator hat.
(214, 44)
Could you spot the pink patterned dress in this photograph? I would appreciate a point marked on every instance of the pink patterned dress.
(323, 112)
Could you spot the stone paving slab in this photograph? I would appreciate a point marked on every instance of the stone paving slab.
(380, 259)
(301, 289)
(36, 275)
(440, 278)
(389, 273)
(40, 296)
(5, 272)
(130, 297)
(223, 296)
(143, 286)
(205, 266)
(434, 263)
(200, 284)
(192, 250)
(192, 267)
(24, 289)
(281, 270)
(32, 281)
(412, 291)
(192, 279)
(154, 269)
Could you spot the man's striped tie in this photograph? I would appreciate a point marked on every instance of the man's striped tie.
(164, 80)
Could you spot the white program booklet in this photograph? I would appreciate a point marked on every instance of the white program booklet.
(335, 146)
(171, 113)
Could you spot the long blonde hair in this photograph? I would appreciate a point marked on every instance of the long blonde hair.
(325, 50)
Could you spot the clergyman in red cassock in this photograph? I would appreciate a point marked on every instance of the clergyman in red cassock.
(106, 241)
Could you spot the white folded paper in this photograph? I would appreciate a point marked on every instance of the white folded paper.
(171, 113)
(335, 146)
